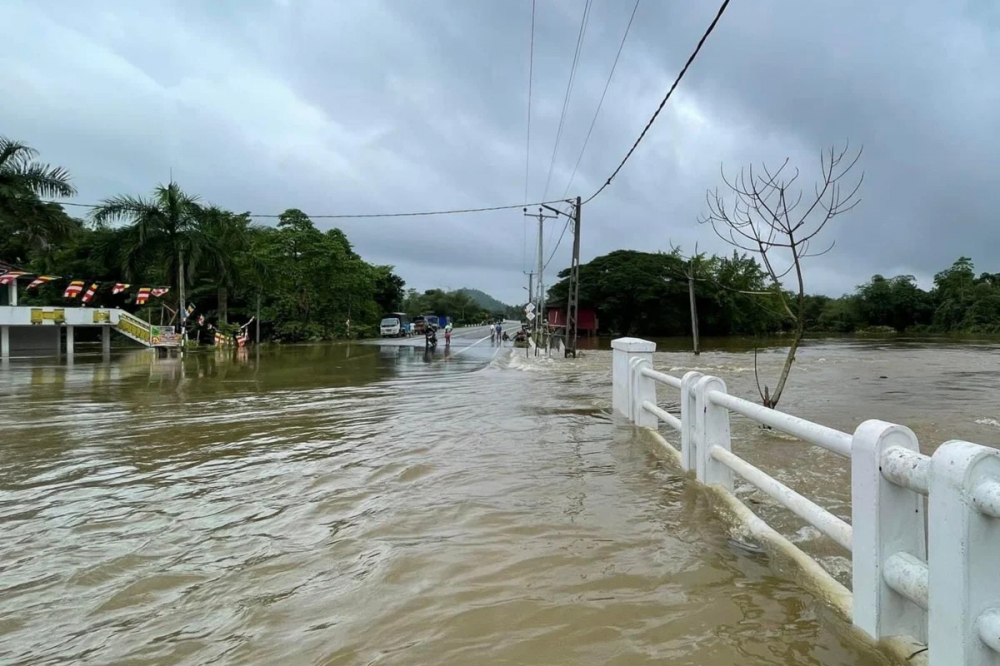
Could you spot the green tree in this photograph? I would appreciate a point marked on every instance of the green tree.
(228, 235)
(165, 232)
(27, 224)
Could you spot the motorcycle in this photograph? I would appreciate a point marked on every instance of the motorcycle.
(430, 339)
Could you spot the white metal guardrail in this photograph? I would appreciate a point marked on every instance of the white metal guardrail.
(938, 585)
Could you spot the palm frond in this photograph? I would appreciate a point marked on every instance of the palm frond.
(44, 180)
(122, 208)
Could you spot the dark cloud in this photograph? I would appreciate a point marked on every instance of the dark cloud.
(368, 106)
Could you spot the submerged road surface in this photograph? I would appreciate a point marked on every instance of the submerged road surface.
(363, 504)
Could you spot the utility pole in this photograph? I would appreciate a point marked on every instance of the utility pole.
(694, 306)
(573, 300)
(540, 301)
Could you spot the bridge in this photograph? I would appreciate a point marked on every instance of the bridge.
(924, 530)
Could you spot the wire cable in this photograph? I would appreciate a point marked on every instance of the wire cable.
(527, 140)
(603, 95)
(673, 87)
(351, 216)
(565, 227)
(569, 92)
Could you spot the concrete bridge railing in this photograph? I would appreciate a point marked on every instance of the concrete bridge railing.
(933, 581)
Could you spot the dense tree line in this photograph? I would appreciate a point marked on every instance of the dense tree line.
(643, 293)
(309, 284)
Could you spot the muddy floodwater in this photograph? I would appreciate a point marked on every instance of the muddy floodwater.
(361, 504)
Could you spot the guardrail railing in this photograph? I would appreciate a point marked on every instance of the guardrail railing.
(938, 585)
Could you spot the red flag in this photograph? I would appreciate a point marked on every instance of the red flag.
(142, 296)
(11, 276)
(119, 288)
(89, 293)
(74, 289)
(159, 291)
(201, 320)
(40, 280)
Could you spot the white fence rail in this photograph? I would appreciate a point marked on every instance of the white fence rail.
(938, 585)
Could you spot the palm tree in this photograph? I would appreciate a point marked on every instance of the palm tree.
(23, 182)
(165, 231)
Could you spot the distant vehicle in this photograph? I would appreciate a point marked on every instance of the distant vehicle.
(394, 325)
(432, 320)
(418, 325)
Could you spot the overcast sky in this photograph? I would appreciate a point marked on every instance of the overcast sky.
(368, 106)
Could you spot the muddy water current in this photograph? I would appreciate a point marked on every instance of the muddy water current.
(362, 504)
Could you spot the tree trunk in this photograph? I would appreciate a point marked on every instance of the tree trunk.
(181, 311)
(223, 304)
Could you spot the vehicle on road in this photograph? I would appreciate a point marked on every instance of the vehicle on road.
(418, 325)
(433, 321)
(394, 325)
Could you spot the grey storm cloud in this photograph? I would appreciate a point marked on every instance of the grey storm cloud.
(368, 106)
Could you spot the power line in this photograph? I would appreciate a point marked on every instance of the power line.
(673, 87)
(569, 92)
(565, 227)
(346, 216)
(527, 140)
(603, 94)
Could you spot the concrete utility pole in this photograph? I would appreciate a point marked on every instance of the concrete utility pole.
(573, 302)
(540, 300)
(573, 295)
(694, 306)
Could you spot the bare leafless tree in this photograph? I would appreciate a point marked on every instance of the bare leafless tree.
(766, 217)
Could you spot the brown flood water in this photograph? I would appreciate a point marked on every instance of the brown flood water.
(373, 505)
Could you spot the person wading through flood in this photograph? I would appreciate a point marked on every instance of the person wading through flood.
(447, 335)
(493, 333)
(499, 333)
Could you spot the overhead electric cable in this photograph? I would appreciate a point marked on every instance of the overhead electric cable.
(347, 216)
(527, 140)
(603, 94)
(673, 87)
(569, 92)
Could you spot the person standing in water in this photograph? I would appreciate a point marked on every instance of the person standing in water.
(493, 333)
(499, 333)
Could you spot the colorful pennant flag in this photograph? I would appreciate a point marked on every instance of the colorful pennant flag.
(201, 320)
(11, 277)
(242, 340)
(142, 295)
(89, 294)
(74, 289)
(40, 280)
(159, 291)
(190, 308)
(119, 288)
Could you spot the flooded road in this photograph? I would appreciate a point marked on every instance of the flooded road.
(355, 504)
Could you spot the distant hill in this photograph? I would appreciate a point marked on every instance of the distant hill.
(485, 301)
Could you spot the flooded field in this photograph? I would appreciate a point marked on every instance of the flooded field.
(357, 504)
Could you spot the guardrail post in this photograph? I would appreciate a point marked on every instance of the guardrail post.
(711, 429)
(643, 388)
(689, 443)
(964, 586)
(625, 349)
(887, 519)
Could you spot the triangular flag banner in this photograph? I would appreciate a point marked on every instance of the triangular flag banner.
(190, 308)
(89, 293)
(159, 291)
(74, 289)
(11, 277)
(40, 280)
(201, 320)
(142, 295)
(119, 288)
